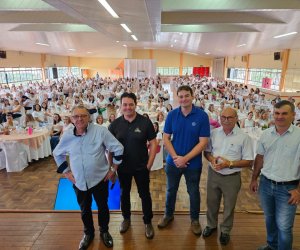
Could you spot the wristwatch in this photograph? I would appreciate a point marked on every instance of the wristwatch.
(112, 169)
(231, 164)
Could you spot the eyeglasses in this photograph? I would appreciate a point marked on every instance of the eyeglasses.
(76, 117)
(228, 118)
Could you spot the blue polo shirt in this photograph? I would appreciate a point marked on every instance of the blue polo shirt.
(185, 131)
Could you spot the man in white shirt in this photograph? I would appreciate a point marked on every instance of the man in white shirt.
(229, 150)
(278, 164)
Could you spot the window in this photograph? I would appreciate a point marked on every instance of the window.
(167, 71)
(19, 75)
(236, 74)
(256, 77)
(187, 70)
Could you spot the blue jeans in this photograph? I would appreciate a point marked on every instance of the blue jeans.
(192, 179)
(279, 215)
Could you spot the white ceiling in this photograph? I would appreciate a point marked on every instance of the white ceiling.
(214, 26)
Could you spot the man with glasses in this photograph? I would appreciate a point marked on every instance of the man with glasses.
(89, 170)
(229, 150)
(189, 127)
(278, 164)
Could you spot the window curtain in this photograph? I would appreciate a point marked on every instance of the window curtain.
(140, 68)
(218, 68)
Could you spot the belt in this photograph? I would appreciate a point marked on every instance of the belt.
(235, 173)
(295, 182)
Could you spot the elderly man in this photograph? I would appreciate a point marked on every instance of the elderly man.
(278, 162)
(229, 150)
(89, 170)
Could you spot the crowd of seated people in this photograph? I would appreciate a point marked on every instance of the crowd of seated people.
(45, 101)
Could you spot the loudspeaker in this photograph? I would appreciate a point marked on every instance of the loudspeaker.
(2, 54)
(54, 72)
(228, 72)
(276, 56)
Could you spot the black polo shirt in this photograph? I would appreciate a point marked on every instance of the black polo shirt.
(133, 136)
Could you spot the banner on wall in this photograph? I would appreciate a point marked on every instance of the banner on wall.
(201, 71)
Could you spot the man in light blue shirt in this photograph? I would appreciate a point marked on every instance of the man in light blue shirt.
(278, 162)
(89, 170)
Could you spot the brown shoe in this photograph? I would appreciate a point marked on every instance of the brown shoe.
(196, 227)
(124, 226)
(164, 221)
(149, 231)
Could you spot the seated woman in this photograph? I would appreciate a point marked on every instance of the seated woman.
(30, 121)
(249, 121)
(158, 161)
(100, 120)
(38, 114)
(264, 121)
(10, 122)
(111, 118)
(17, 109)
(56, 130)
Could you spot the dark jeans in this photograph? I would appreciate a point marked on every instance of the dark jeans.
(84, 199)
(142, 181)
(54, 140)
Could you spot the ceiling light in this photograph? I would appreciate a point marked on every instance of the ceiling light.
(287, 34)
(117, 41)
(124, 45)
(134, 37)
(72, 49)
(108, 8)
(172, 45)
(180, 33)
(89, 52)
(190, 53)
(241, 45)
(43, 44)
(125, 27)
(207, 53)
(175, 41)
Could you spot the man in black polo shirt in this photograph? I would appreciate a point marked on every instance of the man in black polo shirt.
(134, 131)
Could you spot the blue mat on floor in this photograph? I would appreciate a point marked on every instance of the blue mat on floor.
(66, 198)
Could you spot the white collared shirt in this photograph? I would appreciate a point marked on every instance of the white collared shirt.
(234, 147)
(281, 154)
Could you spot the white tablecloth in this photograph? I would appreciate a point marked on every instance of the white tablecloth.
(20, 149)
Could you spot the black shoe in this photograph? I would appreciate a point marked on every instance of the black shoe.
(149, 231)
(208, 231)
(107, 239)
(85, 241)
(224, 238)
(124, 226)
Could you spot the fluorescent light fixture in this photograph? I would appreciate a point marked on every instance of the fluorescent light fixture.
(134, 37)
(241, 45)
(207, 53)
(175, 41)
(72, 49)
(108, 8)
(42, 44)
(124, 45)
(190, 53)
(172, 45)
(125, 27)
(89, 52)
(287, 34)
(180, 33)
(117, 41)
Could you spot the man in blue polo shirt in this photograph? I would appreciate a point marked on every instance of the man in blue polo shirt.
(189, 128)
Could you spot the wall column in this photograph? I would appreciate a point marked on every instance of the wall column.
(285, 62)
(43, 60)
(69, 65)
(181, 64)
(247, 69)
(151, 53)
